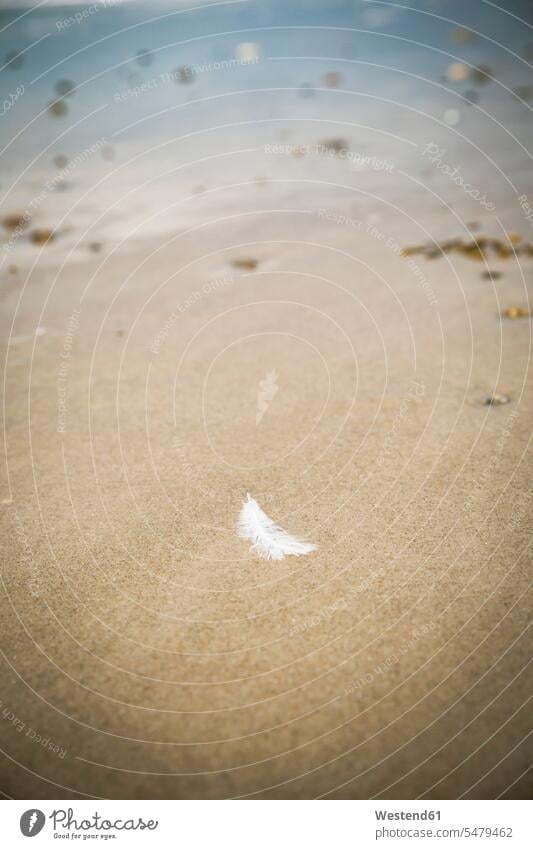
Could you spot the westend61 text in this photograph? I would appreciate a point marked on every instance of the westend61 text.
(407, 815)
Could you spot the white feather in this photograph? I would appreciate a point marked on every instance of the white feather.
(268, 540)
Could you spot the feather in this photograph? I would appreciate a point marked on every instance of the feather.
(268, 540)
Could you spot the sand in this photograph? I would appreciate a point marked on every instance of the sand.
(146, 652)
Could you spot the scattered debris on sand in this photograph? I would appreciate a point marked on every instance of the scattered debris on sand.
(42, 236)
(14, 220)
(516, 312)
(245, 263)
(479, 249)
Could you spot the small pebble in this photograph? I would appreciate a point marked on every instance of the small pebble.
(457, 72)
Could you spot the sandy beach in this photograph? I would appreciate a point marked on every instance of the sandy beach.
(256, 320)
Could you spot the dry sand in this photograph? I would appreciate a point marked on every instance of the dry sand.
(143, 639)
